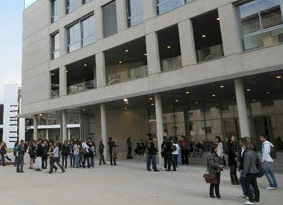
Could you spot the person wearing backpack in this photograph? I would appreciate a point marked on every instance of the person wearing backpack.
(267, 162)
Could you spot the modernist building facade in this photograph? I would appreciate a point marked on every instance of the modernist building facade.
(125, 68)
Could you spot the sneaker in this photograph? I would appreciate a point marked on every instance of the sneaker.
(257, 202)
(270, 188)
(248, 202)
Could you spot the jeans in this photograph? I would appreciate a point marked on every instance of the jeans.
(72, 160)
(268, 172)
(77, 159)
(64, 161)
(2, 159)
(151, 159)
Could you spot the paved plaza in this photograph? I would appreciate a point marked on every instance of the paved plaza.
(127, 183)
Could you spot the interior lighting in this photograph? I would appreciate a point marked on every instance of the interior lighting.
(213, 95)
(145, 54)
(187, 92)
(176, 101)
(125, 108)
(254, 100)
(152, 104)
(85, 65)
(125, 100)
(203, 36)
(126, 50)
(150, 99)
(196, 102)
(222, 86)
(248, 90)
(217, 18)
(268, 93)
(120, 62)
(278, 77)
(169, 47)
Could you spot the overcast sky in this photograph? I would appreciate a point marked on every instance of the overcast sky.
(10, 42)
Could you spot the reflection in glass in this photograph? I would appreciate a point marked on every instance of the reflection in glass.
(135, 12)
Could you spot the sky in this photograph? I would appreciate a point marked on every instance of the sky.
(11, 12)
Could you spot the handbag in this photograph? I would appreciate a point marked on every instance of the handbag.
(210, 178)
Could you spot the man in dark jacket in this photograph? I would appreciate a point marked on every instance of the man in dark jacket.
(232, 163)
(20, 152)
(39, 151)
(151, 155)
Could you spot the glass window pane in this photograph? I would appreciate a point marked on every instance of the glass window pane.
(249, 17)
(135, 12)
(74, 38)
(54, 10)
(164, 6)
(70, 6)
(109, 19)
(270, 13)
(88, 31)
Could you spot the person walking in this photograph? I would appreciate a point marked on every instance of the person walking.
(268, 163)
(214, 166)
(249, 173)
(56, 158)
(20, 154)
(232, 162)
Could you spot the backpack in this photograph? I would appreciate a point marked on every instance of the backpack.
(273, 153)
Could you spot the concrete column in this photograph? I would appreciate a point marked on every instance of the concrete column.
(152, 50)
(78, 4)
(187, 43)
(100, 70)
(149, 9)
(242, 108)
(98, 16)
(121, 15)
(47, 134)
(229, 30)
(35, 127)
(62, 41)
(104, 129)
(69, 133)
(63, 81)
(63, 125)
(159, 123)
(62, 8)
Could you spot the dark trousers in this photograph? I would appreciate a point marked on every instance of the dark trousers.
(20, 163)
(101, 159)
(86, 158)
(165, 161)
(44, 162)
(151, 160)
(170, 162)
(64, 161)
(184, 156)
(52, 164)
(215, 187)
(250, 180)
(111, 158)
(233, 174)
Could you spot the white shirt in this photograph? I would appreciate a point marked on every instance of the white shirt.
(220, 149)
(177, 149)
(266, 150)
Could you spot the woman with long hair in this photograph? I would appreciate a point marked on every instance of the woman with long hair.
(214, 166)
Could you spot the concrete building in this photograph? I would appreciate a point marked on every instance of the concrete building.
(125, 68)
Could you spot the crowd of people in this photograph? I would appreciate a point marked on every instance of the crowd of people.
(242, 157)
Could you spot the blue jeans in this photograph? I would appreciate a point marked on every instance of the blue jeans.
(77, 158)
(151, 159)
(268, 172)
(72, 160)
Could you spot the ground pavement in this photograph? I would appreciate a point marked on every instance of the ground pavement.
(126, 184)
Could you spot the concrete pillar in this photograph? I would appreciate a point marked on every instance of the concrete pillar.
(104, 129)
(63, 81)
(47, 134)
(69, 133)
(78, 4)
(242, 108)
(121, 15)
(63, 125)
(98, 16)
(187, 43)
(62, 41)
(62, 8)
(152, 50)
(100, 70)
(149, 9)
(159, 123)
(35, 127)
(229, 29)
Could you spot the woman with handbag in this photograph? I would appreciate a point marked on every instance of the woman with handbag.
(214, 167)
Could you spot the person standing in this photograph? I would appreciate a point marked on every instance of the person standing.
(85, 152)
(184, 150)
(151, 155)
(115, 153)
(268, 163)
(175, 153)
(39, 151)
(164, 152)
(111, 146)
(129, 148)
(220, 150)
(232, 162)
(20, 153)
(31, 152)
(101, 152)
(249, 173)
(51, 157)
(214, 166)
(71, 151)
(15, 149)
(76, 152)
(65, 153)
